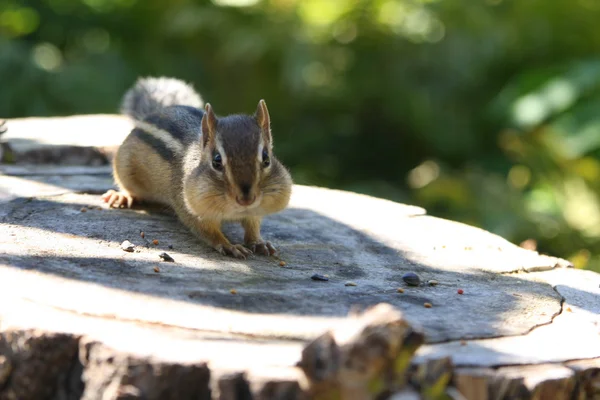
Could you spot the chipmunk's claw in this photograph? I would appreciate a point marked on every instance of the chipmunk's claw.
(117, 199)
(262, 248)
(234, 250)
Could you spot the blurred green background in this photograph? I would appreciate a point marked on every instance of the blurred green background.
(485, 112)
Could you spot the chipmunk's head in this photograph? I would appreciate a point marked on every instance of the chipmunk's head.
(242, 171)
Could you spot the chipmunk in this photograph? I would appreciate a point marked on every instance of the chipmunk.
(208, 169)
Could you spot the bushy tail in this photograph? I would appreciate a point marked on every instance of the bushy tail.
(150, 95)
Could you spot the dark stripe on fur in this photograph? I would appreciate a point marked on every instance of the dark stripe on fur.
(161, 149)
(182, 122)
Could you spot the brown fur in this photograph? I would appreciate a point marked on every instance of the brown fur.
(201, 196)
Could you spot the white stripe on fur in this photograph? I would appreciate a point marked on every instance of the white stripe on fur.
(162, 135)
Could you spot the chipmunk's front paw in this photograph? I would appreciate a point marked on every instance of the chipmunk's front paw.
(263, 248)
(233, 250)
(117, 199)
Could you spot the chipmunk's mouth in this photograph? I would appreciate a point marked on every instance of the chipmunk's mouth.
(248, 206)
(245, 201)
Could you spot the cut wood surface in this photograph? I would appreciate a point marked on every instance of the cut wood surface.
(82, 318)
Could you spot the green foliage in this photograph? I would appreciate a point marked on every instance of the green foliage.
(485, 112)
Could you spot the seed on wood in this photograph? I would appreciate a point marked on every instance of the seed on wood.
(166, 257)
(400, 290)
(460, 291)
(155, 242)
(349, 284)
(156, 269)
(142, 234)
(427, 305)
(319, 277)
(569, 309)
(170, 247)
(83, 209)
(233, 291)
(432, 282)
(282, 263)
(127, 246)
(411, 279)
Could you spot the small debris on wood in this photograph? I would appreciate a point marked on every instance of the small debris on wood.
(349, 284)
(411, 279)
(166, 257)
(127, 246)
(155, 242)
(400, 290)
(432, 282)
(319, 277)
(569, 309)
(428, 305)
(83, 209)
(460, 291)
(282, 263)
(233, 291)
(156, 269)
(142, 234)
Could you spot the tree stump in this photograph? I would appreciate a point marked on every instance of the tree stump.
(82, 318)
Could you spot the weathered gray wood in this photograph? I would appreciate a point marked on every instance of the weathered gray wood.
(118, 325)
(362, 360)
(532, 381)
(77, 140)
(587, 373)
(578, 320)
(35, 133)
(312, 239)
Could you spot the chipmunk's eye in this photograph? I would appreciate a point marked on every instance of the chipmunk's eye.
(266, 161)
(217, 162)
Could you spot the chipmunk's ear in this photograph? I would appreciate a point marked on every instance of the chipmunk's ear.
(264, 121)
(209, 125)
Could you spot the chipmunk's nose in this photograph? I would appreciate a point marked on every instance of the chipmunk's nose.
(245, 199)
